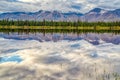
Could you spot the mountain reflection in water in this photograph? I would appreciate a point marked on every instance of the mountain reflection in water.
(94, 38)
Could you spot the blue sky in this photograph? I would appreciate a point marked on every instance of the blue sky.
(60, 5)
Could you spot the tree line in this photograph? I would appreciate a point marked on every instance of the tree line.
(57, 23)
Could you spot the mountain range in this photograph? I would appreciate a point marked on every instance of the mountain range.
(96, 14)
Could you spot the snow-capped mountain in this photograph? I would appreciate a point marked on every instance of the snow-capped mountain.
(96, 14)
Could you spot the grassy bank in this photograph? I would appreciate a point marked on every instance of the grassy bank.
(61, 27)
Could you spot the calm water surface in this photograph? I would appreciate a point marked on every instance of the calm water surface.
(94, 38)
(59, 56)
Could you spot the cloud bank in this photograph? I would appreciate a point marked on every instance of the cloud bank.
(60, 5)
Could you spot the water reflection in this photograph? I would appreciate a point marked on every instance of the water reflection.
(61, 60)
(94, 38)
(14, 58)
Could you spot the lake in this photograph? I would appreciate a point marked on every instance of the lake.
(58, 55)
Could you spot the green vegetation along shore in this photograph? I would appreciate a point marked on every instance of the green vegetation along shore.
(57, 23)
(61, 26)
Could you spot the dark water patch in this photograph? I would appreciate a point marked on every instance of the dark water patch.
(54, 60)
(10, 51)
(75, 46)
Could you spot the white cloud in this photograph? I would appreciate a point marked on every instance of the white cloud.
(29, 1)
(61, 5)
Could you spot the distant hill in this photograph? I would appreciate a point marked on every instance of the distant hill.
(94, 15)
